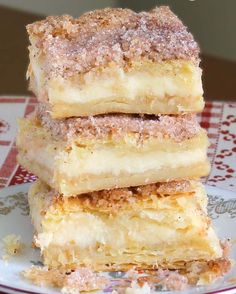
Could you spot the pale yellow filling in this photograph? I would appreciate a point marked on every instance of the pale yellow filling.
(114, 161)
(130, 85)
(145, 80)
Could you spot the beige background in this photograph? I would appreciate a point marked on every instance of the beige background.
(213, 22)
(46, 7)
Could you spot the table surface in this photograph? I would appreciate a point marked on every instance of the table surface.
(218, 118)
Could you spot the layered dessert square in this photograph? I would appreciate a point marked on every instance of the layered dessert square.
(118, 150)
(163, 225)
(79, 155)
(115, 60)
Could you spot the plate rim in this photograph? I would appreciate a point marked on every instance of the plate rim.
(22, 290)
(17, 290)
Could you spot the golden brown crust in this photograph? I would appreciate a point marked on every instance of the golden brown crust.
(111, 35)
(206, 270)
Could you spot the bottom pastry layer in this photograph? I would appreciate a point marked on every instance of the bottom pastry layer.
(161, 225)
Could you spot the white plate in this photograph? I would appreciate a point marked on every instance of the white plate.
(14, 220)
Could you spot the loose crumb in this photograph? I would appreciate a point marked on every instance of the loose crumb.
(82, 279)
(43, 277)
(215, 270)
(226, 245)
(174, 281)
(136, 289)
(132, 274)
(12, 246)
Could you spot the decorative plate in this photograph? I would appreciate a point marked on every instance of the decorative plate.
(14, 219)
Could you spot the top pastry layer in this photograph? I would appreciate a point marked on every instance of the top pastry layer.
(111, 35)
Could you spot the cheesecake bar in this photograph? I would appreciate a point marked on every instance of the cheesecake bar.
(115, 60)
(163, 225)
(86, 154)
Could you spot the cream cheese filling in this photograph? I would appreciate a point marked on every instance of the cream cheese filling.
(115, 83)
(112, 161)
(125, 231)
(129, 86)
(86, 229)
(109, 160)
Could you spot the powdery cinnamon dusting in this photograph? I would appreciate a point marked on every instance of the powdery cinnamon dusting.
(177, 128)
(111, 35)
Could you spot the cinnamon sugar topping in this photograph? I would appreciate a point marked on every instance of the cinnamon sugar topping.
(112, 35)
(114, 199)
(177, 128)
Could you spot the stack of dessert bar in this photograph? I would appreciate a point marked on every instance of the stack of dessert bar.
(115, 142)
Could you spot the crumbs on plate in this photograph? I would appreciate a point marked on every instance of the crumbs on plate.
(12, 246)
(82, 279)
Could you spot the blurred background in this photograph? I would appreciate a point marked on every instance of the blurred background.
(213, 23)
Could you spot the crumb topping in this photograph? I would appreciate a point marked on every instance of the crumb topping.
(111, 36)
(177, 128)
(115, 199)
